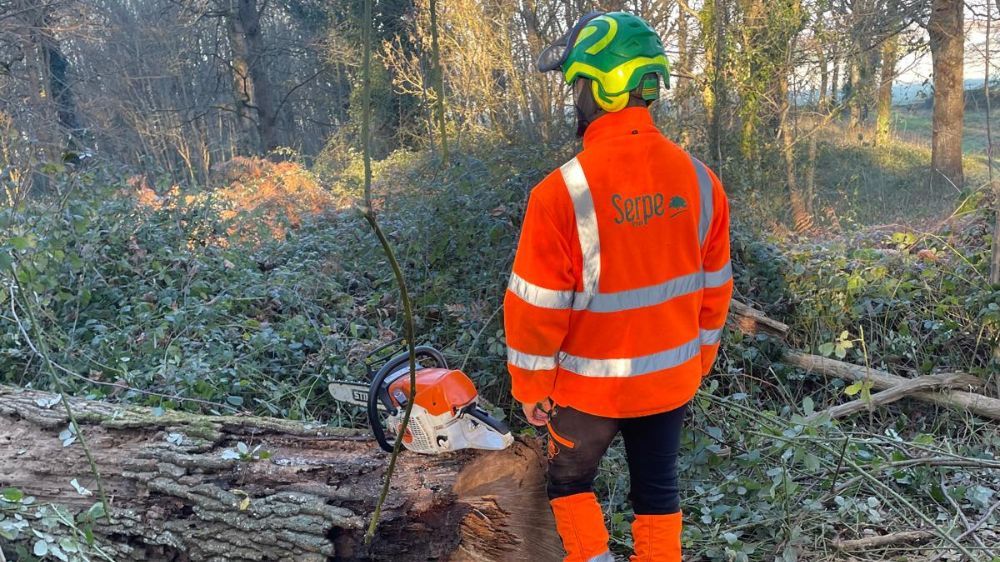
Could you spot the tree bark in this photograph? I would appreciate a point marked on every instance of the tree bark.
(947, 39)
(175, 498)
(251, 84)
(978, 404)
(900, 391)
(714, 15)
(681, 100)
(800, 205)
(883, 118)
(62, 94)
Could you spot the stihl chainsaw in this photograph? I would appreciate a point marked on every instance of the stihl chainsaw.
(445, 416)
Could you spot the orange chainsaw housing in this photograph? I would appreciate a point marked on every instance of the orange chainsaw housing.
(438, 390)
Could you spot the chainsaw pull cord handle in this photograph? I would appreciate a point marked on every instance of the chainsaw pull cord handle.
(377, 390)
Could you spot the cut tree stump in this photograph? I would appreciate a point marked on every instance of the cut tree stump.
(175, 498)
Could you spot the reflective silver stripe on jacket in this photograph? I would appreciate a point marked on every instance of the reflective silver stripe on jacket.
(606, 557)
(718, 278)
(631, 299)
(646, 296)
(711, 337)
(586, 229)
(706, 196)
(529, 361)
(635, 366)
(539, 296)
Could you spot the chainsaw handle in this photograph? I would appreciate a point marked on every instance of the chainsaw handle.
(484, 416)
(379, 390)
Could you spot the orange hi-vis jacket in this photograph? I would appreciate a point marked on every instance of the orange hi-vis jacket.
(622, 279)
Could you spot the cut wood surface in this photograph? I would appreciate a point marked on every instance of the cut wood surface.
(748, 320)
(969, 401)
(174, 497)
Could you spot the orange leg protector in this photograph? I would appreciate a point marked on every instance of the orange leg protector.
(657, 538)
(580, 523)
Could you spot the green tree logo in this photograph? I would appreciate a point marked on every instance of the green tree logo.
(679, 204)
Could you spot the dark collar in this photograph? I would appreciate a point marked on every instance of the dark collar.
(629, 121)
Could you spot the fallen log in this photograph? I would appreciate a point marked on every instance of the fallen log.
(899, 391)
(978, 404)
(305, 495)
(882, 541)
(748, 320)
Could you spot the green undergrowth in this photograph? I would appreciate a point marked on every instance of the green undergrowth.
(198, 306)
(181, 307)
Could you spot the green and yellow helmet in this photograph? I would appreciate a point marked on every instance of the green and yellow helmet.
(616, 51)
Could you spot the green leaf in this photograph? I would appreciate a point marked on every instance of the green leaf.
(853, 389)
(807, 405)
(41, 548)
(96, 511)
(826, 349)
(21, 242)
(12, 495)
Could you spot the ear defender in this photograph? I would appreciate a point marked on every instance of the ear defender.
(649, 88)
(608, 103)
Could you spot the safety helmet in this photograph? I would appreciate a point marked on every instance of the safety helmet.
(616, 51)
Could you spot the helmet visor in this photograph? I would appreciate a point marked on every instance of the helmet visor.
(553, 57)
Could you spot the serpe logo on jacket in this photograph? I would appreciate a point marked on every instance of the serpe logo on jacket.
(639, 210)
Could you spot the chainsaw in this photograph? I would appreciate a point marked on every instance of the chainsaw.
(446, 415)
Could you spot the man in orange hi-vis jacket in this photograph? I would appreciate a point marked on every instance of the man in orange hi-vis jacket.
(619, 292)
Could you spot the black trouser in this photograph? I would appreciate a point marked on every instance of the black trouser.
(577, 441)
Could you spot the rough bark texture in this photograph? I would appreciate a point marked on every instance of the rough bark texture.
(252, 86)
(179, 500)
(882, 541)
(883, 117)
(799, 203)
(978, 404)
(947, 38)
(900, 391)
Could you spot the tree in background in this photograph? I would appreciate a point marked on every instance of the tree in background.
(947, 38)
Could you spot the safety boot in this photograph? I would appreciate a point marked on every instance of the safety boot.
(657, 538)
(580, 523)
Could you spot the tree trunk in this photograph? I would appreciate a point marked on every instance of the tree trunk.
(438, 83)
(852, 93)
(995, 262)
(251, 85)
(883, 119)
(800, 205)
(62, 94)
(835, 79)
(946, 30)
(174, 497)
(822, 106)
(714, 15)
